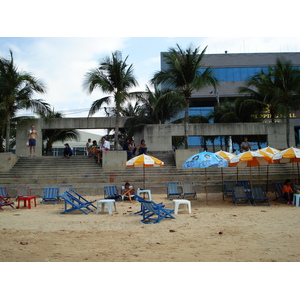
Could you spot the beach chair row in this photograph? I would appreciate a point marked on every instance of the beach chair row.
(181, 190)
(256, 196)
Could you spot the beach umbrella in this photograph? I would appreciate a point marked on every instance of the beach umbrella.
(205, 160)
(270, 150)
(144, 161)
(288, 155)
(250, 159)
(228, 156)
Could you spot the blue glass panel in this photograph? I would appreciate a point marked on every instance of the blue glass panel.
(236, 74)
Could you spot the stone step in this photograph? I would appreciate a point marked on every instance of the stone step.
(88, 178)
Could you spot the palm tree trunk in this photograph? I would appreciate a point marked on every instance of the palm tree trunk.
(186, 117)
(288, 126)
(116, 142)
(7, 133)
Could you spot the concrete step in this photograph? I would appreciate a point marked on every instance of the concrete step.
(88, 178)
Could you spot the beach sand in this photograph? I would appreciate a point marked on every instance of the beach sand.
(215, 231)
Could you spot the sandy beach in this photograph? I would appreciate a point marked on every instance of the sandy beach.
(215, 231)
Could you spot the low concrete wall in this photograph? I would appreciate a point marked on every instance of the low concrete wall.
(7, 161)
(182, 155)
(114, 160)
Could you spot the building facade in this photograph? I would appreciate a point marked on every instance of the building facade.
(232, 70)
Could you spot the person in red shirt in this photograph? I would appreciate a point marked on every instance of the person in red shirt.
(287, 191)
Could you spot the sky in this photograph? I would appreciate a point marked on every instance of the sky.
(62, 62)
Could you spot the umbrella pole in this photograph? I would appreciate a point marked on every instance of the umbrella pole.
(267, 186)
(237, 174)
(222, 183)
(206, 186)
(298, 169)
(144, 177)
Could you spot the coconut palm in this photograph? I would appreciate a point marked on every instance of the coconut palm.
(156, 106)
(184, 74)
(286, 89)
(258, 87)
(113, 76)
(16, 91)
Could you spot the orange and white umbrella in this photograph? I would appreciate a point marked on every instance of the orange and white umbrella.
(250, 159)
(227, 155)
(270, 150)
(288, 155)
(144, 161)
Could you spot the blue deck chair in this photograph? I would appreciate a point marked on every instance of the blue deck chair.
(50, 194)
(140, 199)
(278, 186)
(75, 204)
(64, 187)
(228, 187)
(246, 184)
(151, 209)
(80, 198)
(5, 202)
(240, 196)
(111, 192)
(188, 190)
(4, 193)
(259, 196)
(174, 189)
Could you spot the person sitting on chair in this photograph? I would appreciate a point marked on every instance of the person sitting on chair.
(288, 192)
(127, 191)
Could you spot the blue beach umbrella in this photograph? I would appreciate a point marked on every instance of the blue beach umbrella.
(205, 160)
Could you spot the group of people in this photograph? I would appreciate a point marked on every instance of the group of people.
(95, 150)
(131, 149)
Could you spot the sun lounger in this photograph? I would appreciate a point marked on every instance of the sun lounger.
(240, 196)
(259, 196)
(188, 190)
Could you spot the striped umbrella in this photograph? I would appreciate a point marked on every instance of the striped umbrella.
(250, 159)
(144, 161)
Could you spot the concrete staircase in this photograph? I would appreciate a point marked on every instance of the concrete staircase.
(88, 178)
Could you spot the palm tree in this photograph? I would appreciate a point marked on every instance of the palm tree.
(286, 88)
(50, 136)
(258, 87)
(183, 73)
(16, 91)
(156, 106)
(113, 76)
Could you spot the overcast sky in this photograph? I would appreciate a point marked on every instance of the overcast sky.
(59, 43)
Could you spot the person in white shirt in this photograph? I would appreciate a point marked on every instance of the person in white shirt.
(105, 146)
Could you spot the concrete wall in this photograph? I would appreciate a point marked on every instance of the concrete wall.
(114, 160)
(182, 155)
(157, 137)
(7, 161)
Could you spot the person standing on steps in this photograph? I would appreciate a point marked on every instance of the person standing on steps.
(32, 135)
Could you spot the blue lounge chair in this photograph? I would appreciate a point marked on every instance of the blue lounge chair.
(140, 199)
(188, 190)
(5, 202)
(259, 196)
(278, 191)
(4, 193)
(80, 198)
(174, 189)
(111, 192)
(240, 196)
(228, 187)
(50, 194)
(246, 184)
(75, 203)
(150, 209)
